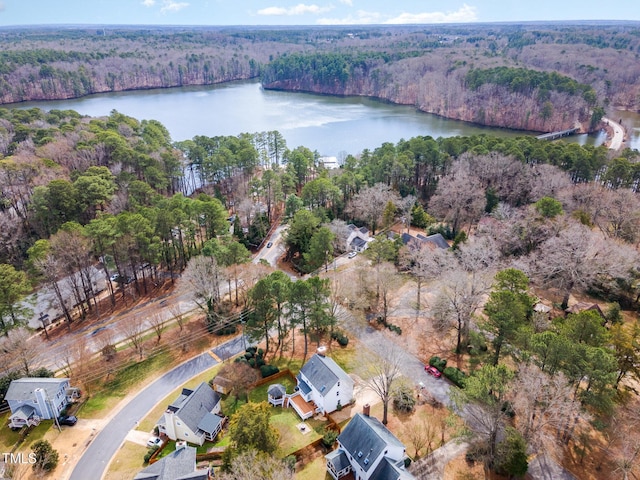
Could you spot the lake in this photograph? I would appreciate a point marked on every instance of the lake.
(331, 125)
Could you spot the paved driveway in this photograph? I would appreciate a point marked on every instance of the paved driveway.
(95, 459)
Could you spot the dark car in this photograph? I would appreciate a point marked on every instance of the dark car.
(69, 420)
(269, 245)
(433, 371)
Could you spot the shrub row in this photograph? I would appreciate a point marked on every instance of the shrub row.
(457, 376)
(342, 339)
(390, 326)
(439, 363)
(253, 356)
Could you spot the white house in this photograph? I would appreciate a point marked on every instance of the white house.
(369, 451)
(324, 383)
(193, 416)
(32, 400)
(358, 239)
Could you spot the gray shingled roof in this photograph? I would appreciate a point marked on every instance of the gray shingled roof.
(191, 408)
(24, 412)
(178, 465)
(323, 373)
(210, 422)
(358, 242)
(436, 239)
(387, 469)
(339, 459)
(22, 389)
(276, 390)
(365, 438)
(302, 385)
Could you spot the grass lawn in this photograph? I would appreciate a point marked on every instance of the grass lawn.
(127, 462)
(291, 439)
(316, 470)
(8, 438)
(259, 394)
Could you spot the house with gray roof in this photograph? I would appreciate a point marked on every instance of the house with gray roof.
(33, 399)
(178, 465)
(194, 416)
(323, 382)
(434, 241)
(368, 451)
(358, 239)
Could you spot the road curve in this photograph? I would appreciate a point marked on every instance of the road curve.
(104, 446)
(618, 134)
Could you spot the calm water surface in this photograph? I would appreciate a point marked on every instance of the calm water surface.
(330, 125)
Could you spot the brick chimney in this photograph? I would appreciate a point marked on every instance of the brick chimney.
(366, 409)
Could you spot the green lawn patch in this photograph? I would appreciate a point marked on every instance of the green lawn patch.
(291, 439)
(259, 394)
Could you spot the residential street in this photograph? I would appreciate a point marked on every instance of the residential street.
(103, 447)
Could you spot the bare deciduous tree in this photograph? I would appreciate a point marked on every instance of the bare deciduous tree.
(369, 204)
(421, 434)
(133, 331)
(459, 198)
(21, 352)
(203, 276)
(158, 323)
(251, 465)
(542, 403)
(580, 258)
(380, 374)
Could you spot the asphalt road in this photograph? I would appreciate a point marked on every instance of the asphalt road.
(104, 446)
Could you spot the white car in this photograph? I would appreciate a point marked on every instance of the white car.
(154, 442)
(352, 254)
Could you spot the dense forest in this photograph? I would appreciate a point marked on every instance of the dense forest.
(558, 75)
(527, 220)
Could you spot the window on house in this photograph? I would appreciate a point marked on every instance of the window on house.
(337, 394)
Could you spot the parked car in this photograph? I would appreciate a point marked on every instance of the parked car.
(269, 244)
(154, 442)
(352, 254)
(432, 371)
(69, 420)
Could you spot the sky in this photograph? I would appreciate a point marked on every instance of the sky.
(307, 12)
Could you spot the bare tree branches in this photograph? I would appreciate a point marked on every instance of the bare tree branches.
(381, 373)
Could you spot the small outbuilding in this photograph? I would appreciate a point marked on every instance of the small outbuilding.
(276, 394)
(222, 385)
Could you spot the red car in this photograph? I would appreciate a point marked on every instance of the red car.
(433, 371)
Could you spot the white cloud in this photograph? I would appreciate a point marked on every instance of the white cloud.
(465, 13)
(171, 6)
(300, 9)
(361, 18)
(149, 3)
(347, 2)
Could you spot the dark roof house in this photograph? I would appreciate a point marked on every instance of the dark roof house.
(323, 382)
(369, 450)
(193, 416)
(178, 465)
